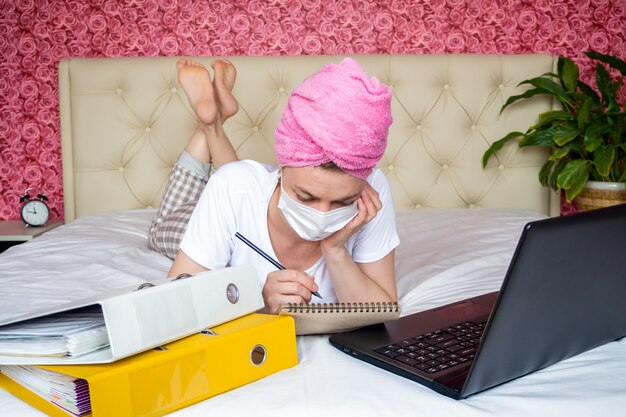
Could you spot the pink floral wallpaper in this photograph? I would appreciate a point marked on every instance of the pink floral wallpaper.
(35, 34)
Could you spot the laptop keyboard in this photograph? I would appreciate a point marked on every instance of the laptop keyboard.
(437, 350)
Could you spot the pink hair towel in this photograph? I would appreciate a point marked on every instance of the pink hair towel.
(338, 114)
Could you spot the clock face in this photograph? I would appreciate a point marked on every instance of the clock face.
(35, 213)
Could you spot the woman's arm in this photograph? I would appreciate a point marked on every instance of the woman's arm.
(374, 281)
(183, 264)
(352, 281)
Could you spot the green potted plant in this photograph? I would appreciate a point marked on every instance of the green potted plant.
(587, 135)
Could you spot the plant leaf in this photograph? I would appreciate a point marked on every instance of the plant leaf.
(564, 134)
(525, 94)
(573, 178)
(544, 172)
(603, 81)
(572, 193)
(568, 73)
(560, 153)
(550, 87)
(615, 127)
(613, 61)
(539, 138)
(589, 92)
(497, 145)
(551, 116)
(556, 170)
(593, 135)
(603, 158)
(583, 113)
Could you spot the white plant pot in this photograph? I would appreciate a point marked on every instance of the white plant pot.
(597, 194)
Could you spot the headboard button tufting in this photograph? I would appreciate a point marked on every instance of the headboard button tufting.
(430, 125)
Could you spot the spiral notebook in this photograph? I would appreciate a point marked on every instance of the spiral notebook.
(337, 317)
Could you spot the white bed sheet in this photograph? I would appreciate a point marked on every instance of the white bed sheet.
(445, 256)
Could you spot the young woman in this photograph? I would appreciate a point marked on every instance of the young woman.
(325, 212)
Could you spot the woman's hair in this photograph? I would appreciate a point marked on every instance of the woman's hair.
(331, 166)
(339, 115)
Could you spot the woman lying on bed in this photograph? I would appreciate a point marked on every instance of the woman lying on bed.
(325, 213)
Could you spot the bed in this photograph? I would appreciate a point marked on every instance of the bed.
(124, 121)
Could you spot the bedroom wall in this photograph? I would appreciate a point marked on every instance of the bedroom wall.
(35, 34)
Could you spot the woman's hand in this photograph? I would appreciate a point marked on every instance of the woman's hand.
(369, 205)
(287, 286)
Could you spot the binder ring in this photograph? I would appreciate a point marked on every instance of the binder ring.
(144, 286)
(232, 293)
(182, 276)
(258, 355)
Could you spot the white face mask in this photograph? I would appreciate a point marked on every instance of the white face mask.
(311, 224)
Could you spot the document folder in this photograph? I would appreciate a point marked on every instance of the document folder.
(180, 373)
(140, 319)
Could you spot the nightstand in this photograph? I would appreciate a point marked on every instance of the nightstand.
(14, 232)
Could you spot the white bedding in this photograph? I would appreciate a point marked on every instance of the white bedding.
(444, 256)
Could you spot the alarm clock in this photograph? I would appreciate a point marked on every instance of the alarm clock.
(35, 212)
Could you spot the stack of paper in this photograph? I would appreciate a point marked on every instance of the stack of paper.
(67, 334)
(67, 392)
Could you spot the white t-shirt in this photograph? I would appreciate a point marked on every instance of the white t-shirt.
(236, 199)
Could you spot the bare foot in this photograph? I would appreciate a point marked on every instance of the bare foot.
(224, 80)
(196, 81)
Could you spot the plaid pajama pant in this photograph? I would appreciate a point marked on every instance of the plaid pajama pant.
(179, 199)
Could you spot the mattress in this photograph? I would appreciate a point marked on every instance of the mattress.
(445, 255)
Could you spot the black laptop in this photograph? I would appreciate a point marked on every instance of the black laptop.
(564, 293)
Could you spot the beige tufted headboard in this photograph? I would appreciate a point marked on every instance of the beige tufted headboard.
(125, 120)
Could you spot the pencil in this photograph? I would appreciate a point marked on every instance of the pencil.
(266, 256)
